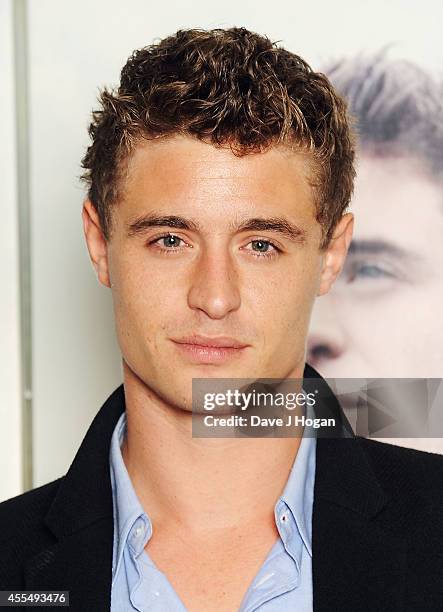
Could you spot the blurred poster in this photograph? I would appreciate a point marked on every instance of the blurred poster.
(382, 317)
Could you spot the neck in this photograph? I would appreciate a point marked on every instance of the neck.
(199, 483)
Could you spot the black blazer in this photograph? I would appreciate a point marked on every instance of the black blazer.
(377, 524)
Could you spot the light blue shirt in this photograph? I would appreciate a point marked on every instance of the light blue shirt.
(284, 581)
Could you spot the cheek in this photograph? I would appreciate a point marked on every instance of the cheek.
(399, 325)
(292, 302)
(137, 297)
(300, 289)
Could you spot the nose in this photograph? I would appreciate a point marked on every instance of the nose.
(214, 289)
(322, 348)
(326, 341)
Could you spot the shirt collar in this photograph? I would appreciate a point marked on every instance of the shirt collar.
(298, 495)
(126, 505)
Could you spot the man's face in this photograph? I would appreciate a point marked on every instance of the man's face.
(201, 272)
(383, 316)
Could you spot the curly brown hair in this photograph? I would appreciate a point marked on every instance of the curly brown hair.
(228, 87)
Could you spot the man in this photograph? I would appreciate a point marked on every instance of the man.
(219, 174)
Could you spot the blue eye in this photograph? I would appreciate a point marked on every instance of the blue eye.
(260, 244)
(170, 238)
(357, 271)
(264, 249)
(371, 271)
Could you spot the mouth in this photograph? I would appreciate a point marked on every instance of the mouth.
(206, 350)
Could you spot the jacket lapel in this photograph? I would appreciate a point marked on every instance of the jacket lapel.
(79, 563)
(358, 564)
(81, 519)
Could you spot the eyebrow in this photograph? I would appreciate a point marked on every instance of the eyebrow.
(143, 223)
(279, 225)
(377, 247)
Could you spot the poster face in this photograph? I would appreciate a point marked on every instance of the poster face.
(381, 318)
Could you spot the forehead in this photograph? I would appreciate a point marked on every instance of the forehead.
(397, 198)
(184, 171)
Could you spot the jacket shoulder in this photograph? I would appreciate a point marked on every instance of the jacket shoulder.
(379, 451)
(407, 475)
(26, 511)
(23, 533)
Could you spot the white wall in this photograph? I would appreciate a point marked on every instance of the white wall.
(74, 47)
(10, 394)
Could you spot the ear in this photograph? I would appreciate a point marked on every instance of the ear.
(335, 254)
(96, 242)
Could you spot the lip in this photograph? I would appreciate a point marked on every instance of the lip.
(217, 342)
(205, 350)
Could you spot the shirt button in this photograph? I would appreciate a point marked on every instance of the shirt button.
(139, 531)
(283, 518)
